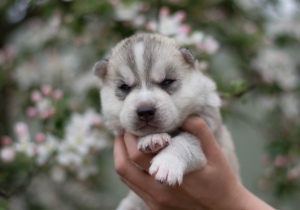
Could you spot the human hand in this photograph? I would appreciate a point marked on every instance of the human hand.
(214, 186)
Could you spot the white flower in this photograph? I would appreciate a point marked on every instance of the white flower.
(7, 154)
(196, 37)
(290, 106)
(139, 20)
(68, 156)
(208, 45)
(276, 66)
(21, 130)
(46, 149)
(26, 147)
(127, 11)
(169, 25)
(44, 105)
(182, 39)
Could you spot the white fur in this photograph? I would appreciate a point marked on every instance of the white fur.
(138, 54)
(196, 94)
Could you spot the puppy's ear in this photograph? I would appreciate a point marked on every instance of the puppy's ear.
(100, 68)
(188, 56)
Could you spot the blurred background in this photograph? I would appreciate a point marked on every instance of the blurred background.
(55, 151)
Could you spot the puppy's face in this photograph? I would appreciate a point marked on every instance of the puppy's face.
(148, 85)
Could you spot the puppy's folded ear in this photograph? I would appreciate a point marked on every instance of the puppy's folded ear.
(100, 68)
(188, 56)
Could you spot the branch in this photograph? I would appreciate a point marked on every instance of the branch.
(34, 171)
(240, 93)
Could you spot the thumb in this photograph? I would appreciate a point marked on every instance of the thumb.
(198, 127)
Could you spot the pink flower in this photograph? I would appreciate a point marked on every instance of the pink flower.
(46, 89)
(151, 26)
(20, 128)
(5, 140)
(293, 174)
(7, 155)
(58, 94)
(281, 161)
(164, 11)
(45, 114)
(185, 28)
(36, 96)
(51, 111)
(97, 121)
(39, 137)
(180, 15)
(31, 112)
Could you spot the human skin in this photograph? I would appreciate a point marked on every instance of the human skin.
(212, 187)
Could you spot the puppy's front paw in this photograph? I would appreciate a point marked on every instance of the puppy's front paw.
(154, 142)
(167, 169)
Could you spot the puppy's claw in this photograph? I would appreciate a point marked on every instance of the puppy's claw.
(148, 148)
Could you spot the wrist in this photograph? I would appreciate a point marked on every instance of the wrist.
(243, 199)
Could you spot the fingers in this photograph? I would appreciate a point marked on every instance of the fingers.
(126, 169)
(198, 127)
(140, 158)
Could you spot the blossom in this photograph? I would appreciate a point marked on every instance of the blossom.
(290, 105)
(36, 96)
(44, 105)
(275, 65)
(126, 11)
(21, 130)
(57, 95)
(5, 140)
(39, 137)
(46, 89)
(281, 161)
(208, 45)
(26, 147)
(293, 174)
(7, 154)
(46, 148)
(31, 112)
(80, 139)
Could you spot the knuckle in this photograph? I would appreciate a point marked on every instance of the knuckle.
(200, 123)
(135, 156)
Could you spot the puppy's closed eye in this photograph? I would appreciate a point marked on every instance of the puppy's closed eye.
(125, 88)
(167, 82)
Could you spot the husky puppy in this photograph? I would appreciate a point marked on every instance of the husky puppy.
(149, 86)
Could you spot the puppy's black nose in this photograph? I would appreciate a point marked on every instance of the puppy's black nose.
(146, 113)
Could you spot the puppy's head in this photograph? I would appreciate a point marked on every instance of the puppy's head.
(149, 85)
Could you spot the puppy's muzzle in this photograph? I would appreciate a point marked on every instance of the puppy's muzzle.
(145, 113)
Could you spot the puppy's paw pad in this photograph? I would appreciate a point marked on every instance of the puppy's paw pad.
(168, 171)
(154, 142)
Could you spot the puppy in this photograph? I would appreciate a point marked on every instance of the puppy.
(149, 86)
